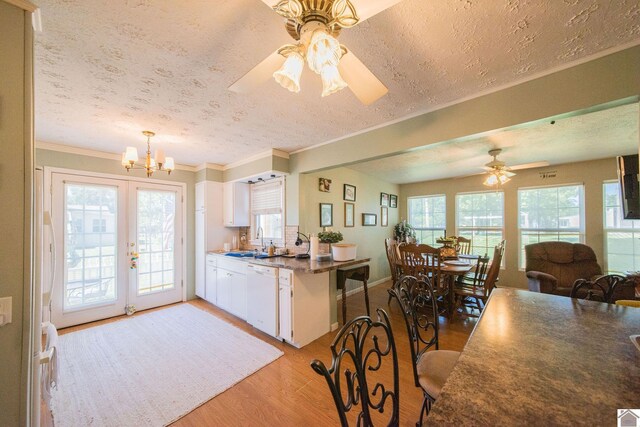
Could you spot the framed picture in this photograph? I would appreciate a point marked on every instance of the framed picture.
(384, 199)
(349, 214)
(393, 201)
(369, 219)
(324, 185)
(349, 193)
(326, 214)
(384, 216)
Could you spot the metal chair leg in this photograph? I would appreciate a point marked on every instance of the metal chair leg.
(426, 407)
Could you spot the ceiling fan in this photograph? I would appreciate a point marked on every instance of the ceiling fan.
(315, 26)
(498, 171)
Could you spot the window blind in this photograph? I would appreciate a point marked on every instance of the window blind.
(266, 198)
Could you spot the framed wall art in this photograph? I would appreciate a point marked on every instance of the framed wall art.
(326, 214)
(384, 216)
(349, 193)
(369, 219)
(324, 185)
(384, 199)
(349, 215)
(393, 201)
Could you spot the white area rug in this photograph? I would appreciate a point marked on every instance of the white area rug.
(151, 369)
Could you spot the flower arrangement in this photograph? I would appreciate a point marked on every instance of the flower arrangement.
(330, 236)
(402, 230)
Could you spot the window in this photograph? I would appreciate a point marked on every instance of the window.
(267, 212)
(480, 217)
(550, 214)
(621, 236)
(99, 225)
(428, 215)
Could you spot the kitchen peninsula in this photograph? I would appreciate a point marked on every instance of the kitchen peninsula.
(288, 298)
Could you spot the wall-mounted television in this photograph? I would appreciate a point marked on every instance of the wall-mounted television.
(628, 168)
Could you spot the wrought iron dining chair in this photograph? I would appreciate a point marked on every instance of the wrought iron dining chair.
(420, 311)
(391, 248)
(608, 288)
(480, 290)
(363, 345)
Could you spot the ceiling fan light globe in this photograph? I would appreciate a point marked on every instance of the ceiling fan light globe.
(491, 180)
(289, 75)
(503, 178)
(324, 50)
(332, 81)
(169, 164)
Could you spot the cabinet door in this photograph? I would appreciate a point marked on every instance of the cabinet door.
(285, 300)
(223, 286)
(200, 246)
(241, 204)
(228, 198)
(211, 289)
(239, 295)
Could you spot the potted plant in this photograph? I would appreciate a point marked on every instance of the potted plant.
(339, 251)
(404, 232)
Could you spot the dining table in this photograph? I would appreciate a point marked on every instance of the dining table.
(543, 359)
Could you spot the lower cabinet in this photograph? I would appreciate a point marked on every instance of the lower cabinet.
(231, 287)
(211, 280)
(304, 307)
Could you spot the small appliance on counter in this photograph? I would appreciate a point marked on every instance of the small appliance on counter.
(323, 257)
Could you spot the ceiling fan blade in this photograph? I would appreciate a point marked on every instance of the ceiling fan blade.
(364, 85)
(508, 174)
(259, 74)
(368, 8)
(270, 3)
(529, 166)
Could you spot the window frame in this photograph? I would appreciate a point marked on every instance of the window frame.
(278, 241)
(580, 230)
(502, 229)
(433, 229)
(606, 229)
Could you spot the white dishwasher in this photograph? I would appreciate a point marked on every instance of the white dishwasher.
(262, 298)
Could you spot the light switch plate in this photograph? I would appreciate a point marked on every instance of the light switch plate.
(5, 310)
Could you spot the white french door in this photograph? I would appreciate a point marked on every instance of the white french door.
(118, 246)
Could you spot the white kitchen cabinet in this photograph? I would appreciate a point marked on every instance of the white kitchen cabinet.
(304, 306)
(210, 232)
(236, 204)
(231, 287)
(211, 281)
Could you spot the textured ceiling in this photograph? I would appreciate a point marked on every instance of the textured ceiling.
(591, 136)
(105, 70)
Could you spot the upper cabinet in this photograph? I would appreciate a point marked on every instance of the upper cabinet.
(236, 204)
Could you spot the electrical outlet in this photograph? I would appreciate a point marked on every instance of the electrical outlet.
(5, 310)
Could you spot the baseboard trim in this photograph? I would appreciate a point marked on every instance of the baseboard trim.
(335, 326)
(361, 288)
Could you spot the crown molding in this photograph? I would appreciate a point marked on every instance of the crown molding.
(212, 166)
(532, 77)
(269, 153)
(93, 153)
(23, 4)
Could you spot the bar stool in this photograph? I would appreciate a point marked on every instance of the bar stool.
(359, 273)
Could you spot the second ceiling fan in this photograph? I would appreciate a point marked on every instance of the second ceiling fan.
(315, 26)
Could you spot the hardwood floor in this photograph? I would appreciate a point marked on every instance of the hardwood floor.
(288, 392)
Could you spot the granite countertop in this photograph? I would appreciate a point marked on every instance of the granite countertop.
(300, 265)
(544, 360)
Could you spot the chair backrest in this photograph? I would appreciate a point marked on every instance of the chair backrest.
(422, 259)
(608, 288)
(391, 248)
(494, 269)
(565, 261)
(363, 345)
(420, 311)
(463, 246)
(479, 273)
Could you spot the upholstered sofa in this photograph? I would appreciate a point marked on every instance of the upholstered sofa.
(553, 267)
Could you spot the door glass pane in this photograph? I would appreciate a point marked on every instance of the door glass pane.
(90, 237)
(156, 240)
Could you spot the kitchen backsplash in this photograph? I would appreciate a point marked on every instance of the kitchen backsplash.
(290, 236)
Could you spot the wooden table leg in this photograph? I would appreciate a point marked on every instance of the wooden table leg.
(366, 296)
(344, 304)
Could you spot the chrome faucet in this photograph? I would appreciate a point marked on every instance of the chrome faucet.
(260, 235)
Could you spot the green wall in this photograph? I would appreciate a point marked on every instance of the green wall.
(15, 192)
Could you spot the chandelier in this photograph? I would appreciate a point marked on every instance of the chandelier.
(157, 163)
